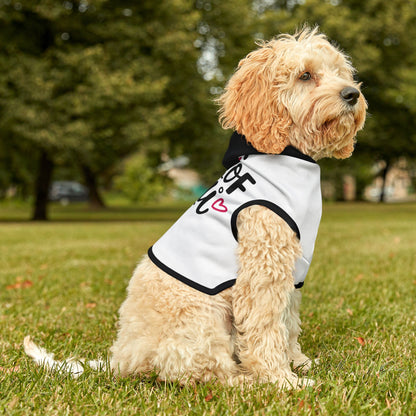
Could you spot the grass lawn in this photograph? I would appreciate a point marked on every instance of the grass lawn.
(62, 282)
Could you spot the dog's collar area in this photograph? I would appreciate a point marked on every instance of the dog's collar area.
(239, 146)
(292, 151)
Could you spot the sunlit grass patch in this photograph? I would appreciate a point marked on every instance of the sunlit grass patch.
(63, 282)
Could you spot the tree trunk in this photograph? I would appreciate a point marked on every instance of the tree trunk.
(42, 185)
(383, 185)
(95, 199)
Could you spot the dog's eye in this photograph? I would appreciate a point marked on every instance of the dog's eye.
(306, 76)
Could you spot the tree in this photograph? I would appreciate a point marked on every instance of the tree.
(140, 181)
(82, 84)
(223, 35)
(95, 82)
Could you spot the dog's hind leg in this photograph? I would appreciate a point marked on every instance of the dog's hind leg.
(267, 252)
(171, 328)
(199, 345)
(198, 350)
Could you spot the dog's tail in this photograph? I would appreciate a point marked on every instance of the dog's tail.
(71, 365)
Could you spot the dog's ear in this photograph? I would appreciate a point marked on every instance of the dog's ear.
(251, 104)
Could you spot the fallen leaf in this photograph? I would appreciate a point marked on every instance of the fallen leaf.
(20, 285)
(310, 314)
(209, 396)
(349, 312)
(10, 287)
(301, 404)
(91, 305)
(361, 341)
(359, 277)
(15, 285)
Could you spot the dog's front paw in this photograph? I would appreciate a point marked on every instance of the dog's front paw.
(303, 364)
(306, 382)
(297, 383)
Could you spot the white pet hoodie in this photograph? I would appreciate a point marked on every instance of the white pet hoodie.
(200, 248)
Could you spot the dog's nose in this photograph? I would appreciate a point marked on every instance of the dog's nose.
(350, 95)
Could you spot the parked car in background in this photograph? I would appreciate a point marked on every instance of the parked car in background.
(68, 191)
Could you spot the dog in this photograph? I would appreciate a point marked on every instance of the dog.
(217, 297)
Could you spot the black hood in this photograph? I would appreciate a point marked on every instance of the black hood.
(239, 146)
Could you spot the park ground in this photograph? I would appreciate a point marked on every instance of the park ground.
(62, 282)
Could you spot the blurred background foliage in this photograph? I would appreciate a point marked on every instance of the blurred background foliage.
(102, 91)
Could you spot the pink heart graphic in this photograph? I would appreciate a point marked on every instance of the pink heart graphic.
(218, 205)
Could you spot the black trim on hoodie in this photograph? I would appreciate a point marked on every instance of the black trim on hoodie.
(239, 146)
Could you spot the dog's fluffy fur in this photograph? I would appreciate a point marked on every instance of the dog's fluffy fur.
(250, 331)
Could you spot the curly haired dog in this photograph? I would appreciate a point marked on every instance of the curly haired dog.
(217, 297)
